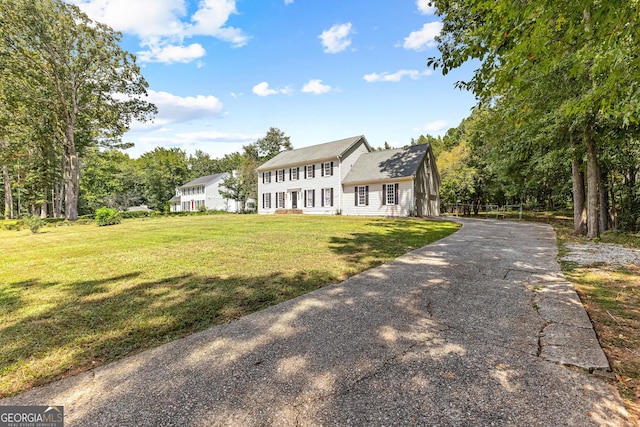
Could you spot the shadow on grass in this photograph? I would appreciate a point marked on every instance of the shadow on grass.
(90, 323)
(397, 238)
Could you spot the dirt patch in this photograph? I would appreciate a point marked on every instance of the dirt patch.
(607, 278)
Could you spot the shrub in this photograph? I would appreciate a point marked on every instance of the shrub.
(202, 208)
(134, 214)
(12, 224)
(107, 216)
(34, 223)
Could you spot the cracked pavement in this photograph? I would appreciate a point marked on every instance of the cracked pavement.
(480, 328)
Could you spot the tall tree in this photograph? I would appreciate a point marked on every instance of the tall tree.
(77, 70)
(587, 41)
(162, 171)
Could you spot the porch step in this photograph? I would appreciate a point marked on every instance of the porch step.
(289, 211)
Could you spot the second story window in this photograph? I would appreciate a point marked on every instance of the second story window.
(293, 174)
(266, 177)
(280, 176)
(309, 171)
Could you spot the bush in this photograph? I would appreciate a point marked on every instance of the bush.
(107, 216)
(34, 223)
(134, 214)
(12, 224)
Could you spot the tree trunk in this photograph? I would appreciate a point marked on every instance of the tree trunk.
(579, 208)
(593, 179)
(8, 197)
(71, 178)
(604, 203)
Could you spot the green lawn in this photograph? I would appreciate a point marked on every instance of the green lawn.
(75, 297)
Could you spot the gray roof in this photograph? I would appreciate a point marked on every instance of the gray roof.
(328, 150)
(387, 164)
(203, 180)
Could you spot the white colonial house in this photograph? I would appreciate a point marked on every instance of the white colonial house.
(347, 177)
(204, 191)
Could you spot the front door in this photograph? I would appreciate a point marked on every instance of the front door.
(294, 200)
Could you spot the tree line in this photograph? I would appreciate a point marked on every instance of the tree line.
(66, 87)
(558, 90)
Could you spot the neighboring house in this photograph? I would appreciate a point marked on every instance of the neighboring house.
(347, 177)
(204, 191)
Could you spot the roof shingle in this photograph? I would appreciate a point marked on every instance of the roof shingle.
(314, 153)
(387, 164)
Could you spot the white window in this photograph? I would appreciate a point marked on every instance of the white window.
(293, 174)
(266, 200)
(280, 176)
(309, 171)
(309, 198)
(327, 169)
(362, 195)
(280, 200)
(327, 197)
(390, 194)
(266, 177)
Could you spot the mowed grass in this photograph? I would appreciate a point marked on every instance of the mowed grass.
(75, 297)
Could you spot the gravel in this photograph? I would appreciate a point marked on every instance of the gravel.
(593, 253)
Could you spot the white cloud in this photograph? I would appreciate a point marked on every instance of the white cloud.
(176, 109)
(425, 7)
(424, 38)
(434, 126)
(171, 54)
(336, 39)
(288, 1)
(163, 25)
(316, 87)
(397, 76)
(214, 136)
(263, 89)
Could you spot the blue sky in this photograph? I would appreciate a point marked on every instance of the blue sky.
(222, 72)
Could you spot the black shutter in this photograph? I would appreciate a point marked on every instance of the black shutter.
(305, 197)
(366, 195)
(313, 171)
(331, 196)
(289, 174)
(263, 197)
(356, 193)
(321, 169)
(331, 168)
(298, 172)
(384, 194)
(322, 197)
(396, 193)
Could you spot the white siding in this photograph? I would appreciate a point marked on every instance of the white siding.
(208, 195)
(375, 206)
(214, 200)
(298, 188)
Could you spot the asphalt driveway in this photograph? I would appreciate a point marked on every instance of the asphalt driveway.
(480, 328)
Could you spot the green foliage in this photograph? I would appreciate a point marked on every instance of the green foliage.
(109, 178)
(12, 224)
(134, 214)
(35, 223)
(162, 171)
(107, 216)
(556, 82)
(69, 85)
